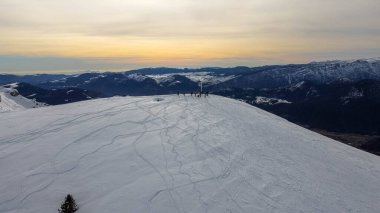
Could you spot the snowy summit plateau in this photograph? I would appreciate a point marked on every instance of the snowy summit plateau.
(176, 154)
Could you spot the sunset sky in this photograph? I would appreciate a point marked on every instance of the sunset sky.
(118, 35)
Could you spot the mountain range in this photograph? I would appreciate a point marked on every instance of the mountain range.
(337, 98)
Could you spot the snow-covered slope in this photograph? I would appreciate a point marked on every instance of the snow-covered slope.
(177, 154)
(206, 78)
(9, 102)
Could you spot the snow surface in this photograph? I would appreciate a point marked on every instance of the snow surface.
(14, 103)
(270, 101)
(137, 77)
(177, 154)
(206, 78)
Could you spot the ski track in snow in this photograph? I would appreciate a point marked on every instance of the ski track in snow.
(204, 158)
(55, 126)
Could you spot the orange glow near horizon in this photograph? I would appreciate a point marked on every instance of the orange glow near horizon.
(121, 35)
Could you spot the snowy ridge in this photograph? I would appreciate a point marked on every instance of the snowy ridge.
(270, 101)
(9, 102)
(177, 154)
(205, 77)
(316, 72)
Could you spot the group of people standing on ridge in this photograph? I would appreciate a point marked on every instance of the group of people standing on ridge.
(196, 94)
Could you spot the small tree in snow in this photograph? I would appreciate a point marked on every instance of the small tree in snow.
(69, 205)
